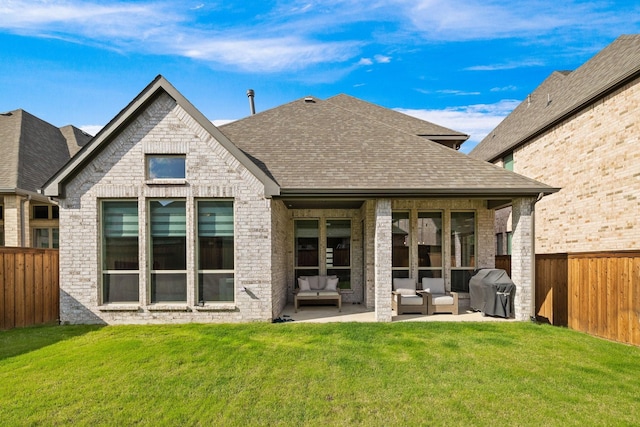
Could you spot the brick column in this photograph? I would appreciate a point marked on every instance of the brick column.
(523, 257)
(382, 256)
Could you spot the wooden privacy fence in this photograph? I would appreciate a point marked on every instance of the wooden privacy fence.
(29, 287)
(597, 293)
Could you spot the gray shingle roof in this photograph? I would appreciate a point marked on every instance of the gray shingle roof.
(331, 146)
(563, 94)
(32, 149)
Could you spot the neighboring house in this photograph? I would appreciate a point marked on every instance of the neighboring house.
(32, 151)
(167, 218)
(579, 131)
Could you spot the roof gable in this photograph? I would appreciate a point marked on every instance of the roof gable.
(54, 187)
(563, 94)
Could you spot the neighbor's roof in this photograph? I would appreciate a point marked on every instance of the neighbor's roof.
(563, 94)
(337, 147)
(33, 150)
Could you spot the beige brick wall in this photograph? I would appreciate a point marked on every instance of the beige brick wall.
(594, 157)
(119, 172)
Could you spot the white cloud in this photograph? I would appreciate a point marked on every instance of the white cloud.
(91, 129)
(506, 66)
(475, 120)
(365, 61)
(382, 59)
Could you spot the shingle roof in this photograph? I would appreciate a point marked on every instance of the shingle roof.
(394, 118)
(32, 150)
(311, 145)
(563, 94)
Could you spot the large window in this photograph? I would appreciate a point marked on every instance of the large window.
(401, 242)
(47, 238)
(44, 212)
(120, 274)
(215, 251)
(429, 237)
(338, 251)
(168, 242)
(166, 166)
(307, 250)
(463, 249)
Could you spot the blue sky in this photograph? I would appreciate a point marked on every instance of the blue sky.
(464, 64)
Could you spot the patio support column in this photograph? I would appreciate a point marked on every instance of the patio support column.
(382, 249)
(523, 257)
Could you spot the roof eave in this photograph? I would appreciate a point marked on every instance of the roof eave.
(416, 193)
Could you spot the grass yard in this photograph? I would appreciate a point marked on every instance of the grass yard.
(400, 374)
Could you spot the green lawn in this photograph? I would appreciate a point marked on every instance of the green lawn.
(400, 374)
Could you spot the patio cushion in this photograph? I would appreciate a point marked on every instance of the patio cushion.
(410, 299)
(332, 284)
(440, 299)
(307, 293)
(303, 284)
(401, 283)
(434, 285)
(327, 293)
(406, 292)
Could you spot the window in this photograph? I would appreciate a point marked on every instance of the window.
(509, 242)
(168, 243)
(307, 247)
(44, 212)
(215, 251)
(1, 212)
(429, 237)
(463, 249)
(400, 244)
(507, 160)
(1, 225)
(120, 274)
(499, 244)
(46, 238)
(166, 167)
(338, 251)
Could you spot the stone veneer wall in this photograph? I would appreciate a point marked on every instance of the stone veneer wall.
(594, 157)
(119, 172)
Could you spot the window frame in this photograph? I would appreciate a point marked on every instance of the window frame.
(104, 271)
(164, 179)
(402, 271)
(52, 239)
(305, 270)
(433, 271)
(199, 271)
(155, 272)
(342, 284)
(465, 270)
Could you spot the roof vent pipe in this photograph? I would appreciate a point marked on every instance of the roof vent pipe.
(252, 106)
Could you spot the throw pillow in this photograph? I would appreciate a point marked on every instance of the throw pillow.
(303, 284)
(332, 284)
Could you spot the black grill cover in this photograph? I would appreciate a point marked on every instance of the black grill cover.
(491, 291)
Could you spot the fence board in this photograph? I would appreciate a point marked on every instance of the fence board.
(29, 287)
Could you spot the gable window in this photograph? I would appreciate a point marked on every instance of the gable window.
(307, 249)
(168, 243)
(463, 249)
(507, 160)
(215, 251)
(401, 242)
(166, 166)
(338, 250)
(120, 273)
(429, 237)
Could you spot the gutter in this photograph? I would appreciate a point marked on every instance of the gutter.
(31, 194)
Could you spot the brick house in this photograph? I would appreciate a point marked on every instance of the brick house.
(166, 218)
(32, 151)
(580, 131)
